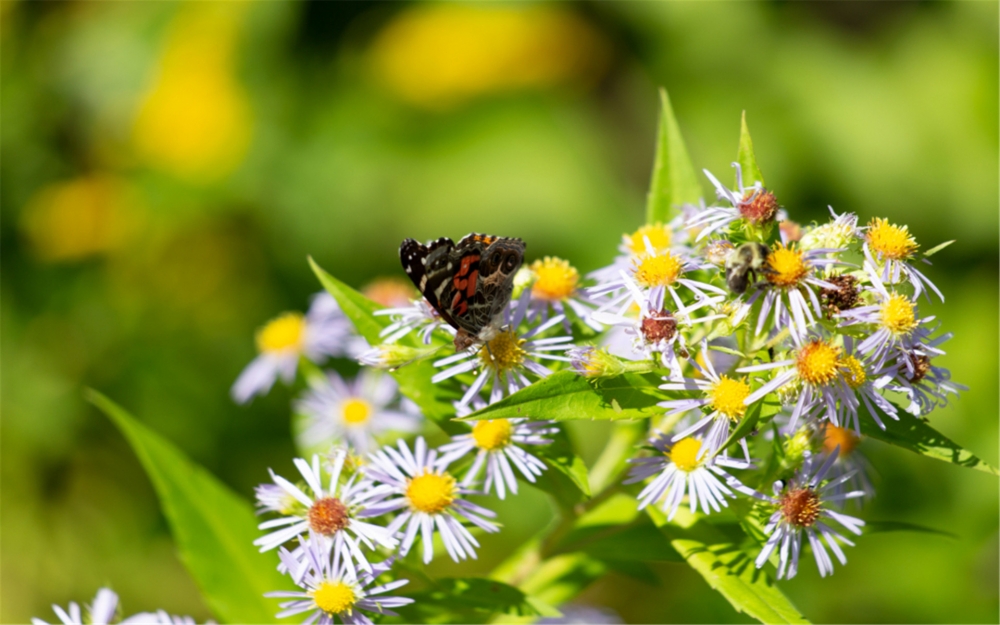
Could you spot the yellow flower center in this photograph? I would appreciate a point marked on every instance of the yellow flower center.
(898, 314)
(817, 362)
(492, 435)
(853, 371)
(728, 395)
(659, 238)
(356, 411)
(658, 270)
(334, 597)
(890, 241)
(431, 492)
(800, 507)
(555, 279)
(503, 352)
(834, 436)
(282, 333)
(684, 454)
(788, 266)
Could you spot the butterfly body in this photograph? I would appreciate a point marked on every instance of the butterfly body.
(469, 283)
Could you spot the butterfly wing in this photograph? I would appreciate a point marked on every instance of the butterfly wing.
(427, 266)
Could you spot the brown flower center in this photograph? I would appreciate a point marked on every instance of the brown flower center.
(761, 209)
(921, 367)
(800, 507)
(844, 297)
(659, 326)
(328, 516)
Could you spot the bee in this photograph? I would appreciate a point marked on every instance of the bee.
(743, 262)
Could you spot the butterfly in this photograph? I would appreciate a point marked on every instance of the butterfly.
(468, 284)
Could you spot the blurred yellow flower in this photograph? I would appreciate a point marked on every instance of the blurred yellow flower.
(78, 218)
(438, 56)
(195, 121)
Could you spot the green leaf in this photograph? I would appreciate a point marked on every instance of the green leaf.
(746, 158)
(566, 396)
(616, 530)
(470, 599)
(674, 179)
(937, 248)
(434, 400)
(877, 527)
(214, 528)
(760, 410)
(566, 479)
(912, 433)
(726, 568)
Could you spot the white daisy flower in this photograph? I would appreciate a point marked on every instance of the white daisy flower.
(332, 589)
(357, 411)
(755, 204)
(429, 497)
(498, 444)
(801, 508)
(556, 287)
(332, 514)
(681, 469)
(891, 247)
(506, 359)
(419, 316)
(725, 397)
(100, 612)
(322, 332)
(658, 237)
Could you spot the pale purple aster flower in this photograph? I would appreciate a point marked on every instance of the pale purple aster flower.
(506, 360)
(681, 469)
(160, 617)
(429, 497)
(358, 411)
(332, 514)
(648, 238)
(861, 382)
(100, 612)
(498, 444)
(655, 329)
(926, 385)
(755, 204)
(850, 461)
(801, 508)
(419, 316)
(556, 289)
(890, 253)
(841, 232)
(894, 317)
(788, 296)
(723, 395)
(323, 331)
(333, 589)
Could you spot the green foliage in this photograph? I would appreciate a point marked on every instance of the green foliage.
(469, 600)
(566, 396)
(674, 181)
(214, 528)
(617, 530)
(917, 436)
(726, 568)
(745, 156)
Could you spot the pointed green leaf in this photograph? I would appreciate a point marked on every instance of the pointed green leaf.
(674, 181)
(214, 528)
(916, 435)
(745, 157)
(726, 568)
(937, 248)
(434, 400)
(876, 527)
(566, 478)
(566, 396)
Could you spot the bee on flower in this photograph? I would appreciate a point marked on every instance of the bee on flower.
(682, 469)
(357, 411)
(322, 332)
(428, 496)
(332, 515)
(333, 589)
(802, 507)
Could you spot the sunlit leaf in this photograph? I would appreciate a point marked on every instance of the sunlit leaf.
(878, 527)
(727, 568)
(745, 156)
(566, 396)
(214, 528)
(937, 248)
(674, 181)
(617, 530)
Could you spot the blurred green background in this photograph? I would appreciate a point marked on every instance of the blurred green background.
(167, 168)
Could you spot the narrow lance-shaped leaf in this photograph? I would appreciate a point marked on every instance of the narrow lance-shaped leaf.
(912, 433)
(566, 396)
(674, 180)
(726, 568)
(745, 156)
(434, 400)
(214, 528)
